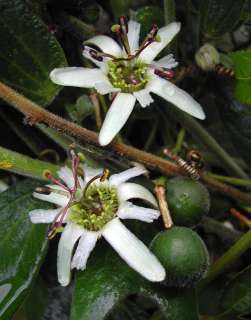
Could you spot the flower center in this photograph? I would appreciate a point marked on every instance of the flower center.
(128, 76)
(96, 208)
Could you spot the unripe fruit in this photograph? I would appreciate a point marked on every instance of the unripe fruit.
(188, 201)
(183, 254)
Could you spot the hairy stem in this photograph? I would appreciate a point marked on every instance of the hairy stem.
(36, 114)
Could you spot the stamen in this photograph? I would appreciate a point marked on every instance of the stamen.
(43, 190)
(50, 177)
(102, 177)
(123, 34)
(164, 73)
(150, 38)
(99, 56)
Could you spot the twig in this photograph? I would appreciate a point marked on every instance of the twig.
(240, 217)
(36, 114)
(163, 206)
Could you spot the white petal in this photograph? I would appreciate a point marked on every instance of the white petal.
(133, 251)
(78, 77)
(70, 235)
(66, 175)
(166, 62)
(90, 172)
(55, 198)
(144, 98)
(43, 216)
(123, 176)
(133, 34)
(116, 117)
(131, 190)
(101, 64)
(127, 210)
(105, 87)
(85, 246)
(166, 34)
(176, 96)
(106, 44)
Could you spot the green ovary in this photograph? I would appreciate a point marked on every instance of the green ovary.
(96, 208)
(128, 76)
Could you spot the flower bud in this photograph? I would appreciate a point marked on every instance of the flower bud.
(207, 57)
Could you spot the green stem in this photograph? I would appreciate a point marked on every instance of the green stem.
(231, 180)
(179, 141)
(24, 165)
(228, 259)
(203, 137)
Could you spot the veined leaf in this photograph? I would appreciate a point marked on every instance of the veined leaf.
(28, 52)
(219, 17)
(242, 67)
(22, 246)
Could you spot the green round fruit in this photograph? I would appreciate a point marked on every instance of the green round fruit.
(188, 201)
(183, 254)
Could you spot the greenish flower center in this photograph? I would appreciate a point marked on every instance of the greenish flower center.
(128, 76)
(96, 208)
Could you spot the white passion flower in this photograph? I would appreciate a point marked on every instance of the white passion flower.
(130, 73)
(97, 210)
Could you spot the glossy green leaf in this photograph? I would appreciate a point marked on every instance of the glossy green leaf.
(219, 17)
(22, 246)
(237, 119)
(242, 68)
(108, 280)
(236, 297)
(28, 52)
(98, 289)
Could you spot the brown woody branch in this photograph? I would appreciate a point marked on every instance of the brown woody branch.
(36, 114)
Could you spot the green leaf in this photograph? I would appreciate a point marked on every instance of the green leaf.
(219, 17)
(28, 52)
(23, 245)
(236, 298)
(147, 16)
(242, 68)
(106, 281)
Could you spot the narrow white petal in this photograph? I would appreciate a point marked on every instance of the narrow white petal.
(116, 117)
(66, 175)
(101, 64)
(78, 77)
(105, 87)
(69, 237)
(123, 176)
(176, 96)
(43, 216)
(85, 246)
(127, 210)
(106, 44)
(144, 98)
(166, 62)
(131, 190)
(133, 251)
(133, 34)
(55, 198)
(166, 34)
(90, 172)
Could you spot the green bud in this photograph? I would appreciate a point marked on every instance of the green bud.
(207, 57)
